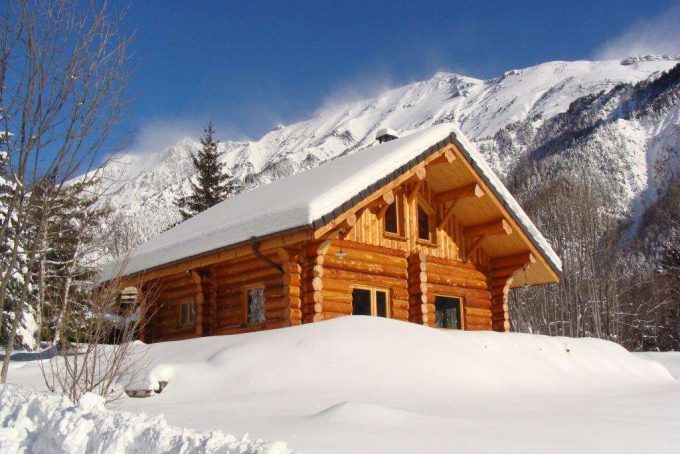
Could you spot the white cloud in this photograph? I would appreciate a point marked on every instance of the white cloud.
(658, 35)
(362, 87)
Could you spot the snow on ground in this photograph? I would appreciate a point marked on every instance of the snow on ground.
(669, 359)
(48, 423)
(363, 384)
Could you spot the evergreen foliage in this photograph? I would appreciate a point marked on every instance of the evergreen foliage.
(212, 183)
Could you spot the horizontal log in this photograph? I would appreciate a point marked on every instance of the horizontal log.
(371, 258)
(347, 244)
(363, 278)
(336, 296)
(481, 321)
(476, 312)
(473, 327)
(470, 191)
(499, 227)
(399, 304)
(167, 285)
(461, 271)
(337, 306)
(366, 268)
(478, 303)
(331, 315)
(524, 258)
(400, 314)
(455, 281)
(336, 285)
(276, 314)
(310, 318)
(267, 279)
(505, 272)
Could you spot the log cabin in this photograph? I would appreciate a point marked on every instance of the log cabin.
(417, 228)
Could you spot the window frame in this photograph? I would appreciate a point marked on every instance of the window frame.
(374, 304)
(461, 306)
(191, 321)
(399, 206)
(430, 211)
(245, 290)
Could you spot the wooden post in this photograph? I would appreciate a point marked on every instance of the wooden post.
(292, 282)
(312, 276)
(419, 305)
(198, 301)
(212, 301)
(500, 278)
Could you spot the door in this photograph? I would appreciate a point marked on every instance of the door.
(448, 312)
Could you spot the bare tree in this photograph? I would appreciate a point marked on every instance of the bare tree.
(97, 349)
(62, 79)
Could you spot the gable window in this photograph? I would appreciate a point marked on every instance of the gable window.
(448, 312)
(187, 314)
(391, 219)
(255, 305)
(370, 301)
(424, 229)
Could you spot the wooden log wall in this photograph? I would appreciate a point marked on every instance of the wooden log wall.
(367, 266)
(231, 282)
(464, 280)
(169, 294)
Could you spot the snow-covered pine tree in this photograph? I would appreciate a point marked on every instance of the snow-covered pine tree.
(212, 183)
(14, 271)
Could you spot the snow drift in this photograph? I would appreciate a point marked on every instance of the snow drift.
(47, 423)
(367, 384)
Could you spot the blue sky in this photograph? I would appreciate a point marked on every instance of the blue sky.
(251, 65)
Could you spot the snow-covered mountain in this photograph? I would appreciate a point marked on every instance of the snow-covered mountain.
(509, 117)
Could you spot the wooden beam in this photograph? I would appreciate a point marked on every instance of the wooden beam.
(474, 247)
(447, 216)
(500, 227)
(382, 210)
(447, 158)
(471, 190)
(521, 259)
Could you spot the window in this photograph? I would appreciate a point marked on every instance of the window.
(255, 306)
(448, 312)
(391, 219)
(370, 301)
(424, 232)
(187, 314)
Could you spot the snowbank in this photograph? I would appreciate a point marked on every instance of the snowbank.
(344, 354)
(367, 384)
(47, 423)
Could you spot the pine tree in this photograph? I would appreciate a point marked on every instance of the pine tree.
(212, 183)
(11, 244)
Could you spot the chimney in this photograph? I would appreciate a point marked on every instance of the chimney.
(386, 134)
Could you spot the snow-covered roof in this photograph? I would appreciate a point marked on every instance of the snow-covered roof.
(313, 198)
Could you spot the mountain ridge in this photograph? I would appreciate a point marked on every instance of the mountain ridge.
(493, 113)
